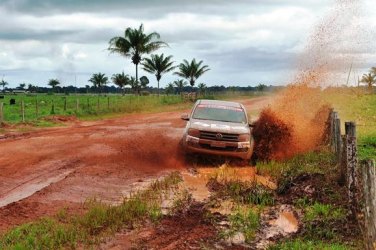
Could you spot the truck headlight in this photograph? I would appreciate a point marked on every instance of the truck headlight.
(244, 138)
(194, 132)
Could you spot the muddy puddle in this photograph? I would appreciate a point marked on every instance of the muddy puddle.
(277, 222)
(196, 180)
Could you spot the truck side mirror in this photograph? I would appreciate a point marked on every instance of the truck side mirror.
(185, 117)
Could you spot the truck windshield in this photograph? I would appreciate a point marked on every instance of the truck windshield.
(219, 113)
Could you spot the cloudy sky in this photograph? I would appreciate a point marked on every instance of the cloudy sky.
(245, 42)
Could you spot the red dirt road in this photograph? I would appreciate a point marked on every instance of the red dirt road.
(46, 170)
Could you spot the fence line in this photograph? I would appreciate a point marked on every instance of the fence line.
(368, 171)
(360, 179)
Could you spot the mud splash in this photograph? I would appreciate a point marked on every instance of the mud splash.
(300, 111)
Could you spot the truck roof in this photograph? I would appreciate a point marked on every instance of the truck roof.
(223, 103)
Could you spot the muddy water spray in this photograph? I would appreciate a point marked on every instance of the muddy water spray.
(299, 112)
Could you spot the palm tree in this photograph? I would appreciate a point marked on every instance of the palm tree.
(87, 87)
(99, 80)
(144, 81)
(22, 86)
(120, 80)
(135, 43)
(138, 85)
(170, 88)
(191, 71)
(369, 79)
(53, 83)
(158, 65)
(373, 71)
(3, 84)
(180, 84)
(201, 88)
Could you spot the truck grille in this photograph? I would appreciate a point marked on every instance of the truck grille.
(215, 136)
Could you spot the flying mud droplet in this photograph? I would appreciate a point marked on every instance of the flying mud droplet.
(299, 113)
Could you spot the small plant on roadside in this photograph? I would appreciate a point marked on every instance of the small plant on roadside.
(299, 244)
(246, 221)
(322, 221)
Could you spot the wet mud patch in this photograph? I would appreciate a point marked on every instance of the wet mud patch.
(189, 230)
(311, 188)
(278, 222)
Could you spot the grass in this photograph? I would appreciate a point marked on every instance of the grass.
(299, 244)
(243, 192)
(322, 162)
(323, 222)
(92, 107)
(100, 220)
(323, 212)
(361, 109)
(246, 221)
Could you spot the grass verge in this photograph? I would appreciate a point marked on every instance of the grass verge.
(99, 221)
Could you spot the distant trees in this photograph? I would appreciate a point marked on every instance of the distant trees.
(201, 88)
(261, 87)
(120, 80)
(138, 85)
(53, 83)
(32, 88)
(3, 84)
(99, 80)
(135, 43)
(87, 87)
(21, 86)
(191, 70)
(180, 84)
(170, 88)
(158, 65)
(369, 79)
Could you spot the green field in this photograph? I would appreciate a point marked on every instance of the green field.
(83, 106)
(362, 110)
(37, 107)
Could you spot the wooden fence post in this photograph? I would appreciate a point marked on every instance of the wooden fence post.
(98, 104)
(333, 116)
(338, 138)
(368, 170)
(65, 103)
(108, 102)
(23, 111)
(352, 179)
(1, 113)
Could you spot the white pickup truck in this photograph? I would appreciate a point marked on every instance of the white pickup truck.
(218, 128)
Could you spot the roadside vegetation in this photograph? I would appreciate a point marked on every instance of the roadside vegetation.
(99, 220)
(309, 183)
(358, 106)
(40, 109)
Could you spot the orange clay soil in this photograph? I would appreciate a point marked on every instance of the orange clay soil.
(46, 170)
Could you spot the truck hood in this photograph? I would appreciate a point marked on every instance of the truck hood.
(222, 127)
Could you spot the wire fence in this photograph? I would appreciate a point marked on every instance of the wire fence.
(28, 108)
